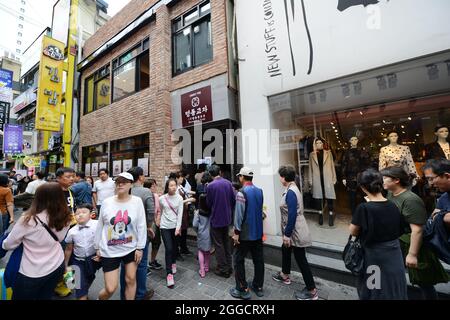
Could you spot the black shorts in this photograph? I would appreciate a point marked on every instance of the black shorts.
(111, 264)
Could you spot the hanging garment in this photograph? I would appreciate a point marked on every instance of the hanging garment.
(328, 173)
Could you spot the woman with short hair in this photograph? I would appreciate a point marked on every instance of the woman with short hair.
(379, 224)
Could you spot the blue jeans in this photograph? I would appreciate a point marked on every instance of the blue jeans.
(4, 224)
(141, 277)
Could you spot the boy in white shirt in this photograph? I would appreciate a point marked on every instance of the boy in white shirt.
(80, 249)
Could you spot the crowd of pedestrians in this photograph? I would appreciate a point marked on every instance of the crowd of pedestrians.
(73, 224)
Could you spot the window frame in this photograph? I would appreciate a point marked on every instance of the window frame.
(142, 50)
(200, 18)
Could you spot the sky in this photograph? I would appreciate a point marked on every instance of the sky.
(115, 6)
(38, 15)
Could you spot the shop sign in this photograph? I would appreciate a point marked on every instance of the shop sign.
(30, 162)
(4, 114)
(48, 111)
(13, 139)
(6, 87)
(196, 106)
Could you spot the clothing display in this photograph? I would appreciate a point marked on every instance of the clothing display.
(354, 161)
(322, 174)
(397, 156)
(305, 147)
(437, 151)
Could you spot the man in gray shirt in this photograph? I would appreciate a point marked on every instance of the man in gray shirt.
(148, 200)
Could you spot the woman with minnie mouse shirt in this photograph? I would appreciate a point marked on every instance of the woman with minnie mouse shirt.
(120, 237)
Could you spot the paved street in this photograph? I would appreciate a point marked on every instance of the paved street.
(189, 285)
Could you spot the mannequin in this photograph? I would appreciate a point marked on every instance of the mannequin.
(397, 155)
(322, 177)
(354, 161)
(440, 149)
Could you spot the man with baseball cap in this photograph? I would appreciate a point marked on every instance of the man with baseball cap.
(248, 233)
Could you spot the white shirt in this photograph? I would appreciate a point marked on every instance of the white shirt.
(104, 190)
(33, 185)
(187, 186)
(121, 228)
(171, 211)
(82, 238)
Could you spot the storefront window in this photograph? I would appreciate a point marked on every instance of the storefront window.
(130, 152)
(354, 139)
(94, 159)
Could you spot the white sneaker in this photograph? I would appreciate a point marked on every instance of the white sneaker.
(170, 280)
(174, 268)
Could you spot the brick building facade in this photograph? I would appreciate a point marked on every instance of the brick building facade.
(150, 111)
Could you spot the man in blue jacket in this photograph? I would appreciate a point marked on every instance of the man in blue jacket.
(248, 233)
(82, 190)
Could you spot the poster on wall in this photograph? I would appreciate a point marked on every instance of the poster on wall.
(87, 169)
(143, 163)
(117, 167)
(103, 165)
(94, 170)
(127, 165)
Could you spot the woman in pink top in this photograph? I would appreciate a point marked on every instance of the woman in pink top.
(42, 264)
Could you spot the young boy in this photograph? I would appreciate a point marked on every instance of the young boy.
(80, 250)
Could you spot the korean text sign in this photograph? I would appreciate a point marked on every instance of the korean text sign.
(48, 111)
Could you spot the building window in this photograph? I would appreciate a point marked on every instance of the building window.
(192, 38)
(18, 51)
(23, 2)
(125, 153)
(98, 90)
(20, 26)
(21, 18)
(131, 71)
(22, 10)
(19, 34)
(19, 42)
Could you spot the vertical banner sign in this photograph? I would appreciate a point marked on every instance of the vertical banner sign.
(4, 114)
(48, 110)
(6, 86)
(196, 106)
(13, 139)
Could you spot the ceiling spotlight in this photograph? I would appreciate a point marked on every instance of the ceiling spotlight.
(403, 127)
(336, 130)
(382, 84)
(357, 86)
(433, 71)
(361, 113)
(312, 98)
(323, 95)
(409, 118)
(392, 80)
(346, 91)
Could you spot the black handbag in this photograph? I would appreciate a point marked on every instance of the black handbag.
(353, 256)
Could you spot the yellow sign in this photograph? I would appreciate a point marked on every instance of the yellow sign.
(48, 110)
(31, 161)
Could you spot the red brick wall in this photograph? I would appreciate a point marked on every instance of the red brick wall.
(149, 111)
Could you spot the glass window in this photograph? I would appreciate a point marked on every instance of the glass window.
(125, 80)
(192, 46)
(191, 16)
(89, 95)
(102, 92)
(205, 8)
(144, 71)
(129, 55)
(182, 50)
(202, 42)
